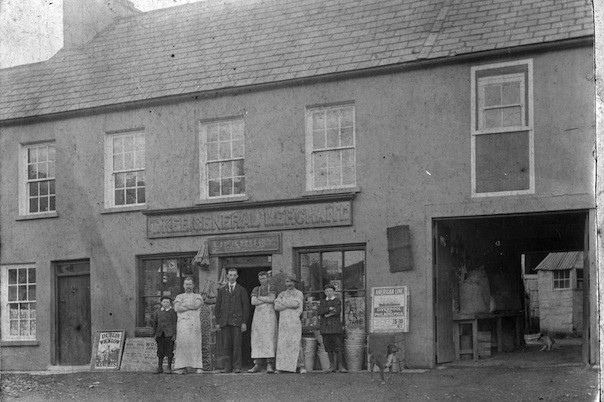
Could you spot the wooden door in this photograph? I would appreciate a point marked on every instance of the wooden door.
(74, 344)
(443, 311)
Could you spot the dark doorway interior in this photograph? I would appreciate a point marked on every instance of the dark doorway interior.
(248, 269)
(497, 251)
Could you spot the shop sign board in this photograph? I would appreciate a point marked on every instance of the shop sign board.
(251, 244)
(256, 219)
(140, 354)
(389, 309)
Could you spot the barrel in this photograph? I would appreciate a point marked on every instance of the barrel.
(323, 358)
(355, 349)
(310, 352)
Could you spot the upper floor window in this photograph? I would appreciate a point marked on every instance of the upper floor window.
(18, 298)
(222, 157)
(37, 186)
(125, 169)
(330, 147)
(562, 279)
(502, 129)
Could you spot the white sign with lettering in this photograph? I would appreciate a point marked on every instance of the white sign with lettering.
(390, 309)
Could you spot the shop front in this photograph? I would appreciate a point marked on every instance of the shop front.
(276, 237)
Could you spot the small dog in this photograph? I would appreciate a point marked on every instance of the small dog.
(385, 362)
(549, 343)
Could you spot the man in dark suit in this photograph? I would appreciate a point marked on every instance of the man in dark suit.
(232, 312)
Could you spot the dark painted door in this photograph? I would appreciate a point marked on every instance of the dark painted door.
(445, 351)
(74, 333)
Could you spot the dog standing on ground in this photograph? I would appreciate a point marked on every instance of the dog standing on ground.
(385, 362)
(549, 343)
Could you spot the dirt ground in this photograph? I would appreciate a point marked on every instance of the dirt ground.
(522, 375)
(560, 383)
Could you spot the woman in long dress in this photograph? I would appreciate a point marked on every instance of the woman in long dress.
(289, 303)
(187, 354)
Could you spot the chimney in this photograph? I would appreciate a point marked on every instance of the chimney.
(84, 19)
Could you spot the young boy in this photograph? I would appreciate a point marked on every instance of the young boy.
(164, 330)
(330, 310)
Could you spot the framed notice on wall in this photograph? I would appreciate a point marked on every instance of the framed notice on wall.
(107, 350)
(390, 309)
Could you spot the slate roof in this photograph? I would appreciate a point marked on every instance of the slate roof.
(216, 44)
(561, 261)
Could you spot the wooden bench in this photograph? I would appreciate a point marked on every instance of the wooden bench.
(472, 319)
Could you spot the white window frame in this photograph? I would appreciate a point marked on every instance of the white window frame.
(477, 102)
(110, 173)
(310, 149)
(567, 278)
(203, 126)
(5, 306)
(24, 180)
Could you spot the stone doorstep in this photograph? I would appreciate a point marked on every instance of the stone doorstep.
(51, 370)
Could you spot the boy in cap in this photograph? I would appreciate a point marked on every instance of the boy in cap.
(330, 310)
(164, 331)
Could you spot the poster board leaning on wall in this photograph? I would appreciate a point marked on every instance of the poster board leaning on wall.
(107, 350)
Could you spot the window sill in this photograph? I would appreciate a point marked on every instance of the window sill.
(504, 193)
(344, 190)
(19, 343)
(223, 200)
(117, 210)
(45, 215)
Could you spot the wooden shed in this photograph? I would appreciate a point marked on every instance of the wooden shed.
(560, 284)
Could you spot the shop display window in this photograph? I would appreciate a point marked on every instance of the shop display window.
(344, 268)
(161, 276)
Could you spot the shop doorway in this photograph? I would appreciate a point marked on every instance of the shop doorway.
(73, 340)
(485, 306)
(248, 268)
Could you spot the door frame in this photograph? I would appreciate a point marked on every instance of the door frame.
(256, 266)
(443, 323)
(55, 305)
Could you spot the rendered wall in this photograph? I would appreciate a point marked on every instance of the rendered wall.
(413, 153)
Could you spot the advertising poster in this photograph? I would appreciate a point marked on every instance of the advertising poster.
(107, 350)
(390, 309)
(354, 313)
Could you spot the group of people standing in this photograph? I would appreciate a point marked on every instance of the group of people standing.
(276, 340)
